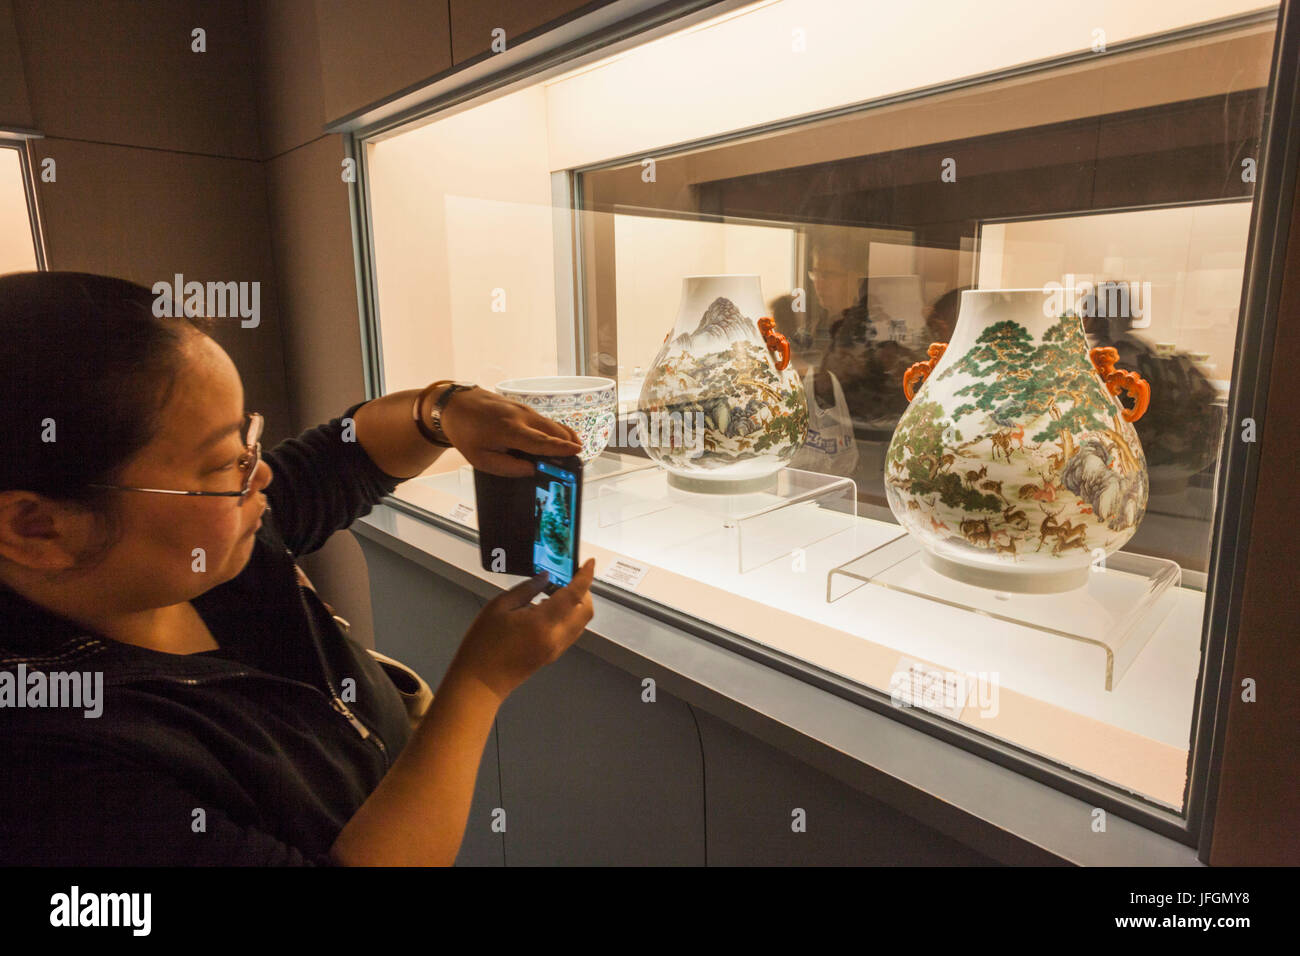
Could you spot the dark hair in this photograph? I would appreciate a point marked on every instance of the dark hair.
(86, 355)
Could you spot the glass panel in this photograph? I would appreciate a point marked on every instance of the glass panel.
(872, 186)
(17, 251)
(463, 225)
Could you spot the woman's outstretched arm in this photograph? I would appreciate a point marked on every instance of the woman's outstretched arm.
(417, 814)
(480, 423)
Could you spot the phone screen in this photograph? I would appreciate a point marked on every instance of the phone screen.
(553, 501)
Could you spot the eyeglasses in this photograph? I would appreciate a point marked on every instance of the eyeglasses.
(251, 435)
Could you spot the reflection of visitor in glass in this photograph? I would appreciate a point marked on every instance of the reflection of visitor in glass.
(941, 317)
(869, 369)
(1181, 434)
(829, 447)
(836, 282)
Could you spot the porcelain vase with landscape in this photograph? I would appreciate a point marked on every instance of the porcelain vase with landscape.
(1015, 466)
(721, 409)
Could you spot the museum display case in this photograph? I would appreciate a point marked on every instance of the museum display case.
(926, 345)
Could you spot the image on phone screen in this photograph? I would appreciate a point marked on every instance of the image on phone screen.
(553, 501)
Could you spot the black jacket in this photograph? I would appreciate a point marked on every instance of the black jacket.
(254, 735)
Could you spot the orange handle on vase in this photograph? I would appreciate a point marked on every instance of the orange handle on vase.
(1118, 380)
(918, 372)
(775, 341)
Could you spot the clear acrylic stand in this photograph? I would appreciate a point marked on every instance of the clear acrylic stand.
(1117, 611)
(798, 509)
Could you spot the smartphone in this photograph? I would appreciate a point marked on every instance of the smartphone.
(555, 511)
(534, 523)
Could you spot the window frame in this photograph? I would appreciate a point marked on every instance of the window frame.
(18, 140)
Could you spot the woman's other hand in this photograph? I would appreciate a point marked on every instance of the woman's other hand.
(483, 425)
(512, 638)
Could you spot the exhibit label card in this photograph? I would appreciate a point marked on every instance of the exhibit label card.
(463, 513)
(624, 573)
(917, 684)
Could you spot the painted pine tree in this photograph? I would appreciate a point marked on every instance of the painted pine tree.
(1014, 380)
(918, 451)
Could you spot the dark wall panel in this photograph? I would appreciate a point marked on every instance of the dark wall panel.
(472, 21)
(15, 106)
(371, 49)
(121, 71)
(592, 775)
(753, 793)
(147, 214)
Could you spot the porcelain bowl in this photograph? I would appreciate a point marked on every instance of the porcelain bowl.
(586, 403)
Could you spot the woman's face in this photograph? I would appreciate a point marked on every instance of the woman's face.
(835, 283)
(174, 547)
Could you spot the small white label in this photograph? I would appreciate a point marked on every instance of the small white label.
(623, 573)
(463, 513)
(915, 684)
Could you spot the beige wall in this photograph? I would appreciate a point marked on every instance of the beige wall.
(652, 255)
(1193, 256)
(463, 246)
(737, 73)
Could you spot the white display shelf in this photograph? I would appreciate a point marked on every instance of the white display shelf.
(1053, 700)
(799, 509)
(1124, 602)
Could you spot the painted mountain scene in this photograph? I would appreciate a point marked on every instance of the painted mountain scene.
(719, 382)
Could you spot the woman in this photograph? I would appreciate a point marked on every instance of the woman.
(169, 693)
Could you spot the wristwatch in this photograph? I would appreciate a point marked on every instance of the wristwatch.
(435, 435)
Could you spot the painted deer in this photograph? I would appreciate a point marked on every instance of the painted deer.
(1002, 440)
(990, 484)
(976, 532)
(1015, 517)
(1047, 492)
(1067, 534)
(1047, 528)
(1070, 535)
(974, 476)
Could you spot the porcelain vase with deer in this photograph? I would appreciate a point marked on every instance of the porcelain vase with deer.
(1016, 466)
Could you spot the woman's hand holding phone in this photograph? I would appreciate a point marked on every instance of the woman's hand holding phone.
(484, 426)
(512, 637)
